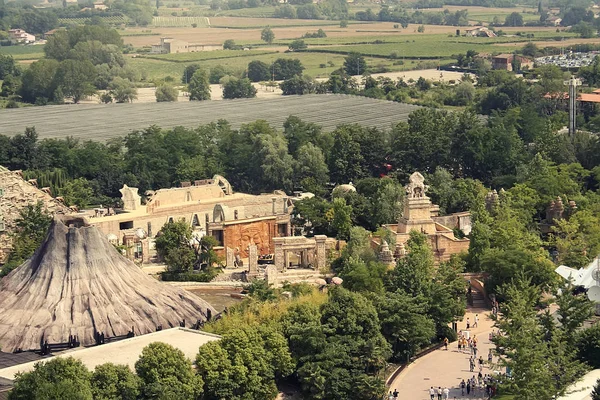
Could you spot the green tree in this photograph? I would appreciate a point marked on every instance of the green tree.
(38, 81)
(258, 71)
(404, 323)
(345, 159)
(229, 44)
(173, 246)
(114, 382)
(77, 192)
(504, 265)
(239, 89)
(588, 345)
(122, 90)
(513, 19)
(414, 273)
(8, 66)
(340, 219)
(286, 68)
(267, 35)
(596, 391)
(573, 310)
(188, 72)
(166, 373)
(166, 93)
(245, 363)
(297, 44)
(59, 378)
(199, 86)
(355, 64)
(310, 163)
(31, 229)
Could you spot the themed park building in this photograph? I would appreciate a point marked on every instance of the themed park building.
(210, 207)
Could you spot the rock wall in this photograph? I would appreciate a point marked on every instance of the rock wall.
(16, 194)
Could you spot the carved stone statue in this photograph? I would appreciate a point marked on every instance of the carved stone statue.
(416, 187)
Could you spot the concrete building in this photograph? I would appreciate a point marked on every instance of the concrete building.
(422, 216)
(19, 36)
(208, 206)
(171, 46)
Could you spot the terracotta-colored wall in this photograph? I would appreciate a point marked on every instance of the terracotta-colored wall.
(260, 232)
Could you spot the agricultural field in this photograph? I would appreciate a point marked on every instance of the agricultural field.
(317, 65)
(89, 122)
(29, 52)
(115, 20)
(176, 22)
(209, 55)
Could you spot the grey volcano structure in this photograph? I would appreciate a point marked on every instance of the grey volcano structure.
(78, 284)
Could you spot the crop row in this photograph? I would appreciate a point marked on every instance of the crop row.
(167, 22)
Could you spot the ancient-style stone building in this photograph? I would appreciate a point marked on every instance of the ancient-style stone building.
(15, 195)
(422, 216)
(210, 207)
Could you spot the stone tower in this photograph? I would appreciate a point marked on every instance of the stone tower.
(417, 208)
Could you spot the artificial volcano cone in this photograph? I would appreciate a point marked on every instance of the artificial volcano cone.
(77, 284)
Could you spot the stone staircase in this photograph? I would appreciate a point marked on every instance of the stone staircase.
(478, 299)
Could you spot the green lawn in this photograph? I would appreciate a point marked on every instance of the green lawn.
(28, 52)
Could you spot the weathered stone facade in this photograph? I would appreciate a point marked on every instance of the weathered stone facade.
(210, 207)
(15, 195)
(422, 216)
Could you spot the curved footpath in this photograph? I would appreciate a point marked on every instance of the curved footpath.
(446, 368)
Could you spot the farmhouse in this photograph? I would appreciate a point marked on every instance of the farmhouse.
(505, 61)
(480, 31)
(209, 206)
(173, 46)
(19, 36)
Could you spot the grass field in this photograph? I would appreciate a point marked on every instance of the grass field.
(209, 55)
(24, 52)
(155, 69)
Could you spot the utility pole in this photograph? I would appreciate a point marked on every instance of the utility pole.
(572, 83)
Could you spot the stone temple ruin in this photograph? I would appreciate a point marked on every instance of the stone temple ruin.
(422, 216)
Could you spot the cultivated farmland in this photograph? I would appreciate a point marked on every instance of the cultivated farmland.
(177, 22)
(102, 122)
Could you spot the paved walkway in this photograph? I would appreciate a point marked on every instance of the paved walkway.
(446, 368)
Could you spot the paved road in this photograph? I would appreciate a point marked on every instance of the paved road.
(445, 368)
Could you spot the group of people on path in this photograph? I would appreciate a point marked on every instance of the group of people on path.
(480, 385)
(442, 394)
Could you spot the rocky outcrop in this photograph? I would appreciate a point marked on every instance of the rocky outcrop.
(15, 195)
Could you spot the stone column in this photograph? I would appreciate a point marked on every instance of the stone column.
(271, 275)
(252, 260)
(279, 255)
(230, 257)
(321, 254)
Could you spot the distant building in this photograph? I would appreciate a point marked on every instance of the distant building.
(172, 46)
(505, 62)
(100, 6)
(554, 21)
(19, 36)
(480, 31)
